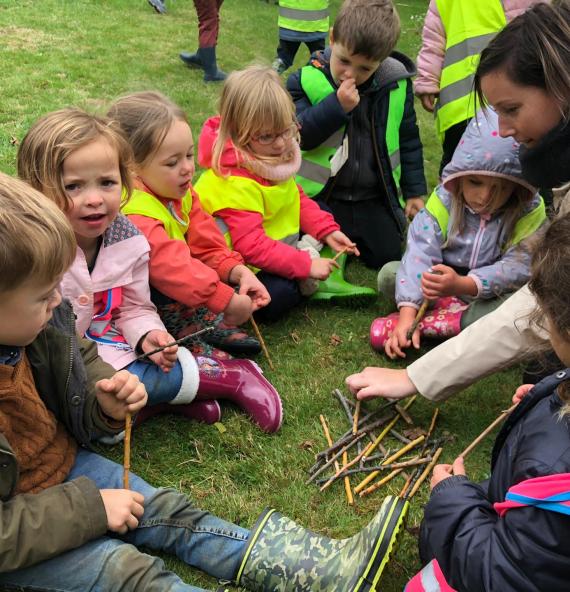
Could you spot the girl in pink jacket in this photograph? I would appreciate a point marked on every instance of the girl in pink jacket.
(81, 162)
(435, 54)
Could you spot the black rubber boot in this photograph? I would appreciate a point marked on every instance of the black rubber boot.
(192, 60)
(210, 66)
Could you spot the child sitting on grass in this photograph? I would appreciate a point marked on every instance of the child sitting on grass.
(361, 148)
(468, 249)
(252, 154)
(513, 531)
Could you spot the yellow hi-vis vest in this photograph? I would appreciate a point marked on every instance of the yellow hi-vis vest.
(145, 204)
(315, 168)
(279, 205)
(469, 26)
(524, 226)
(307, 16)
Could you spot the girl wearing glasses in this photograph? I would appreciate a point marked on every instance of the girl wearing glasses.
(251, 151)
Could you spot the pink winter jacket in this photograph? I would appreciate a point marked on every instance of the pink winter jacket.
(121, 264)
(432, 52)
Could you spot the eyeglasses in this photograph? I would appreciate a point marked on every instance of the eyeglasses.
(266, 139)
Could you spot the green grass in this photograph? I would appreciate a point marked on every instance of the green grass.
(55, 53)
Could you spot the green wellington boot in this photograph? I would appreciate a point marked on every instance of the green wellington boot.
(281, 556)
(336, 288)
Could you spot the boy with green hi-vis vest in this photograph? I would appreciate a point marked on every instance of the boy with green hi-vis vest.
(362, 154)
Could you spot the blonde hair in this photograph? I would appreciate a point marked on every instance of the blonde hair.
(369, 28)
(145, 118)
(36, 240)
(513, 208)
(253, 101)
(54, 137)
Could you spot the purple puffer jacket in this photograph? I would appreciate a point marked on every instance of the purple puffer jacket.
(432, 52)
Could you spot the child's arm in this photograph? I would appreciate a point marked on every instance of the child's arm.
(413, 181)
(176, 274)
(430, 58)
(319, 121)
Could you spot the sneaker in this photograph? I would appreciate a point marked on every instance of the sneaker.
(158, 5)
(279, 66)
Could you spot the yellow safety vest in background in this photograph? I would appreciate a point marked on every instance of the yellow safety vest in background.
(307, 16)
(469, 27)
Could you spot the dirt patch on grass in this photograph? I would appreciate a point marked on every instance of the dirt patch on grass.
(19, 38)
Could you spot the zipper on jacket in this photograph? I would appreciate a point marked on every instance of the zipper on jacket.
(70, 343)
(477, 243)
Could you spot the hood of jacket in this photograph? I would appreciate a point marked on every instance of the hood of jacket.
(482, 151)
(231, 158)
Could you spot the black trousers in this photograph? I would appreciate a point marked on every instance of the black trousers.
(285, 294)
(287, 50)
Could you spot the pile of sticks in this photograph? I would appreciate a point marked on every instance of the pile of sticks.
(364, 442)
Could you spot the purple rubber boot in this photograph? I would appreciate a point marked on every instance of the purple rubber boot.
(205, 411)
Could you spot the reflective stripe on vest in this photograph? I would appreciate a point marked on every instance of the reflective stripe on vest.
(524, 226)
(315, 168)
(469, 26)
(145, 204)
(306, 16)
(279, 205)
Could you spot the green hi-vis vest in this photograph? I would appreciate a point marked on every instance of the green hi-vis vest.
(469, 26)
(279, 205)
(307, 16)
(315, 168)
(145, 204)
(524, 227)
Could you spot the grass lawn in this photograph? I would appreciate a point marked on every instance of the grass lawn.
(55, 53)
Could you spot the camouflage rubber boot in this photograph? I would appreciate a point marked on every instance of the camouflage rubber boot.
(335, 288)
(285, 557)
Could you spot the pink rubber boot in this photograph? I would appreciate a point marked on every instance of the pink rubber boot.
(205, 411)
(242, 383)
(381, 330)
(444, 319)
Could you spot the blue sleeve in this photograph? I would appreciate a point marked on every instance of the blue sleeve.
(423, 249)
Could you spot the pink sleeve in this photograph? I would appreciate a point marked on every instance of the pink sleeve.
(257, 249)
(315, 221)
(432, 53)
(515, 7)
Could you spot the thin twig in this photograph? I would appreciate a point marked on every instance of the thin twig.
(349, 497)
(419, 316)
(356, 418)
(333, 458)
(487, 430)
(127, 451)
(425, 473)
(379, 484)
(414, 462)
(340, 253)
(262, 342)
(347, 488)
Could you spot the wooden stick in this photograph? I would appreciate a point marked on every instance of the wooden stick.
(404, 414)
(382, 481)
(425, 473)
(419, 316)
(411, 479)
(127, 452)
(487, 430)
(336, 455)
(349, 497)
(346, 466)
(340, 253)
(356, 417)
(347, 488)
(260, 339)
(415, 462)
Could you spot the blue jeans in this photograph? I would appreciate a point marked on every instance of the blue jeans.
(111, 563)
(161, 387)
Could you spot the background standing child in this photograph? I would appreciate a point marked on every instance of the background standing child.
(469, 244)
(252, 153)
(300, 21)
(81, 162)
(362, 153)
(454, 33)
(512, 532)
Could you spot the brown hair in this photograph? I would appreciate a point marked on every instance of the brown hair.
(550, 283)
(370, 28)
(145, 118)
(253, 101)
(533, 50)
(36, 240)
(54, 137)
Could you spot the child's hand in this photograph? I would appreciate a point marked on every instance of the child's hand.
(250, 286)
(522, 392)
(398, 341)
(445, 281)
(441, 472)
(428, 101)
(380, 382)
(167, 357)
(238, 311)
(121, 393)
(348, 95)
(413, 206)
(338, 241)
(321, 268)
(123, 508)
